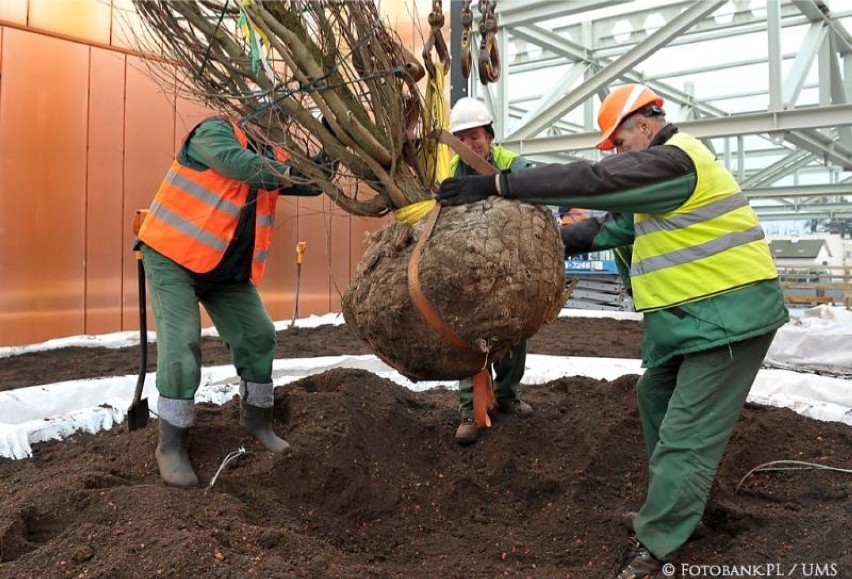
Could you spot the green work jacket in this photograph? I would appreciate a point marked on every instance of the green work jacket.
(655, 181)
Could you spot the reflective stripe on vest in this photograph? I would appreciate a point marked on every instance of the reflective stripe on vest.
(711, 244)
(195, 214)
(202, 193)
(500, 157)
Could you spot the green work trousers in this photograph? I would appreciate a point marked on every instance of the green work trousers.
(507, 374)
(236, 310)
(688, 408)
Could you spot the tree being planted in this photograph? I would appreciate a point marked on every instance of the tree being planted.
(436, 298)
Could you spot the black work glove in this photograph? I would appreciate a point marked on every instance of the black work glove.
(461, 190)
(300, 189)
(327, 165)
(580, 236)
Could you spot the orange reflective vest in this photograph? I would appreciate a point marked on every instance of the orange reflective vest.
(194, 216)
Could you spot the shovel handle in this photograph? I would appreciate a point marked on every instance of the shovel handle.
(138, 220)
(143, 332)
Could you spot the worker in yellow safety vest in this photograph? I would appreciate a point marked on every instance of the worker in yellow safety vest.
(471, 122)
(704, 278)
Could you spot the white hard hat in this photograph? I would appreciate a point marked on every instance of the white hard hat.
(469, 113)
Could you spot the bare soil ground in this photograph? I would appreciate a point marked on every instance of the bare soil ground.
(377, 487)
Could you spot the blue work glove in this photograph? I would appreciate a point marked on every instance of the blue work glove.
(461, 190)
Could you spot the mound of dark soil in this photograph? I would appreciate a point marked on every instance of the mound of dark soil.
(377, 487)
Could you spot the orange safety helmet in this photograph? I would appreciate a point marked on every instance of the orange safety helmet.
(619, 104)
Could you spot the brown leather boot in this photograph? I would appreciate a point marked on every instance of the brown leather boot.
(516, 408)
(642, 565)
(467, 432)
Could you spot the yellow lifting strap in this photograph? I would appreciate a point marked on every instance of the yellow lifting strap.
(436, 108)
(414, 212)
(437, 115)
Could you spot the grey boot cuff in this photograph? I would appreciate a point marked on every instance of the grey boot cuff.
(176, 411)
(257, 393)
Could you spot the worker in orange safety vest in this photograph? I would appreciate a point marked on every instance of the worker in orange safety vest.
(206, 240)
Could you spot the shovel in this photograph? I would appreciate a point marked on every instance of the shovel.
(137, 414)
(300, 256)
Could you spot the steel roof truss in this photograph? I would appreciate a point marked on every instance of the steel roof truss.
(823, 146)
(517, 12)
(814, 39)
(621, 64)
(778, 170)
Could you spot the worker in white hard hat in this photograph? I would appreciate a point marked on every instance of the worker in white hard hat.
(471, 122)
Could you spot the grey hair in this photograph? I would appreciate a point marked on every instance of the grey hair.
(652, 112)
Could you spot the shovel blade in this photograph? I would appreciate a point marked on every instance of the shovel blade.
(137, 415)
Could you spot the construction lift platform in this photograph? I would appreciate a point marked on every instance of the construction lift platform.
(599, 285)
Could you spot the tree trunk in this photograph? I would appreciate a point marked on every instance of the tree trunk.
(493, 271)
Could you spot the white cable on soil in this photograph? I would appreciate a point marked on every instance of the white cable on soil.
(228, 458)
(790, 465)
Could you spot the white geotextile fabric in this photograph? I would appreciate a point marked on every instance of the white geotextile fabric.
(819, 340)
(55, 411)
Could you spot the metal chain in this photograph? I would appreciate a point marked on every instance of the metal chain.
(435, 40)
(489, 54)
(467, 24)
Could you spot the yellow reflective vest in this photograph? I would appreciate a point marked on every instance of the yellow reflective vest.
(501, 158)
(711, 244)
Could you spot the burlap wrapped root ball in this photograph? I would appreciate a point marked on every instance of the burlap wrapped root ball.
(493, 270)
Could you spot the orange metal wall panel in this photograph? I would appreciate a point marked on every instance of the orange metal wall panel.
(361, 228)
(127, 27)
(410, 20)
(42, 190)
(149, 150)
(313, 297)
(278, 285)
(83, 279)
(85, 19)
(188, 114)
(14, 11)
(337, 245)
(105, 242)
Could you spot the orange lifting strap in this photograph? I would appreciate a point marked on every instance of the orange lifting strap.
(483, 392)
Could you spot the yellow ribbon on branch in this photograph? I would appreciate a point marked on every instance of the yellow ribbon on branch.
(256, 39)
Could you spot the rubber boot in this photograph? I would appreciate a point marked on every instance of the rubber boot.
(173, 456)
(256, 403)
(258, 421)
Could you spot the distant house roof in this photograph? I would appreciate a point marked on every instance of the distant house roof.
(802, 248)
